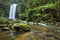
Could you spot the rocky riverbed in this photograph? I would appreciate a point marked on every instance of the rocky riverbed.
(36, 33)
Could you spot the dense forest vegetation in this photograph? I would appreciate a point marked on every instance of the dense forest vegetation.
(33, 10)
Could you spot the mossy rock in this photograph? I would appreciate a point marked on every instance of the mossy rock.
(22, 26)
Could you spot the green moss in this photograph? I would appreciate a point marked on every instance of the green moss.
(23, 25)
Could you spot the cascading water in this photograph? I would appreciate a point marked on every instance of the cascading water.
(12, 11)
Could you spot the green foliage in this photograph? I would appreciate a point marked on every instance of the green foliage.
(36, 13)
(3, 20)
(31, 10)
(1, 13)
(42, 7)
(57, 5)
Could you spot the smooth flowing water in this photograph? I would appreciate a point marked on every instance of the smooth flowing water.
(12, 11)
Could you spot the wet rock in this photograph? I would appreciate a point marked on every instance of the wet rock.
(5, 36)
(35, 35)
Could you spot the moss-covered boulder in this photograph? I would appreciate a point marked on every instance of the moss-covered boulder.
(21, 27)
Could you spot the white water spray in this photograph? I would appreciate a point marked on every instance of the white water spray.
(12, 11)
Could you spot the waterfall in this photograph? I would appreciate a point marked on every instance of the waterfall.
(12, 11)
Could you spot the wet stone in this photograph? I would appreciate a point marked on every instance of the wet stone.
(50, 38)
(36, 36)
